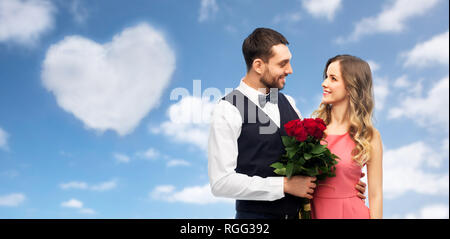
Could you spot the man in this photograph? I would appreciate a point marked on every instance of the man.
(245, 135)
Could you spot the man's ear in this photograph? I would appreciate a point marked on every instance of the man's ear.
(259, 66)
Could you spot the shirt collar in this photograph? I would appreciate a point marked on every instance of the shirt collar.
(248, 91)
(253, 94)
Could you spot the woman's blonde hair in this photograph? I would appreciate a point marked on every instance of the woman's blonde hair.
(358, 83)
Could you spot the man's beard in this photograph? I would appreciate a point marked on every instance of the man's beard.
(270, 81)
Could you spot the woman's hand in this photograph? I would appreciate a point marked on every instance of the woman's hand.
(361, 187)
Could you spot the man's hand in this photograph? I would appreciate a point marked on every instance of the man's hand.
(300, 186)
(361, 187)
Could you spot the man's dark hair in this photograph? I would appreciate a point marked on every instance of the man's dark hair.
(259, 44)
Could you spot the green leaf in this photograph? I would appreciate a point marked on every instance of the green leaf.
(324, 170)
(288, 141)
(302, 144)
(301, 161)
(296, 169)
(291, 153)
(277, 165)
(289, 169)
(318, 149)
(307, 156)
(280, 171)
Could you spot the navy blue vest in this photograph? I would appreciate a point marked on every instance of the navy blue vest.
(257, 150)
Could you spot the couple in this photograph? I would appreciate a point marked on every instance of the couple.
(240, 152)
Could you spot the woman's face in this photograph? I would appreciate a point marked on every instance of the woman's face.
(333, 85)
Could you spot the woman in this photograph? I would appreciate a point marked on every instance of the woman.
(346, 108)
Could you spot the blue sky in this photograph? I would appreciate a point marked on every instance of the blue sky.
(88, 127)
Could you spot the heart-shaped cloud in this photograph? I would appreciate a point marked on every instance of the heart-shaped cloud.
(110, 86)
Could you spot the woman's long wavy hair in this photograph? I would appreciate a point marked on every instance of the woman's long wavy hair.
(358, 83)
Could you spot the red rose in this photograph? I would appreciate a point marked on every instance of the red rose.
(321, 124)
(310, 126)
(301, 134)
(318, 134)
(321, 128)
(301, 129)
(291, 126)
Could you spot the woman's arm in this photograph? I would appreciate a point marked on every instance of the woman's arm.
(375, 177)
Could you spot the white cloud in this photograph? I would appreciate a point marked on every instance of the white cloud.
(322, 8)
(24, 21)
(77, 204)
(177, 162)
(292, 17)
(74, 185)
(207, 9)
(150, 153)
(392, 19)
(380, 86)
(121, 158)
(153, 154)
(381, 91)
(402, 82)
(188, 121)
(437, 211)
(193, 195)
(10, 174)
(72, 203)
(3, 139)
(407, 169)
(159, 191)
(12, 200)
(87, 211)
(430, 111)
(431, 52)
(110, 86)
(79, 12)
(100, 187)
(445, 146)
(231, 29)
(408, 88)
(104, 186)
(373, 66)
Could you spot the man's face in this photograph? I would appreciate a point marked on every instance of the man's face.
(277, 67)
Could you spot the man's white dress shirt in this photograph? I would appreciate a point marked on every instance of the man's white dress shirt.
(226, 124)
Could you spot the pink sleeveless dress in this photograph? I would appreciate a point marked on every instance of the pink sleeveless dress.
(336, 197)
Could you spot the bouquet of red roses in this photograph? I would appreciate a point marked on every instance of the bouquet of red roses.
(305, 155)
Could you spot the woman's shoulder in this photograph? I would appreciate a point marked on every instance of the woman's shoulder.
(376, 138)
(376, 133)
